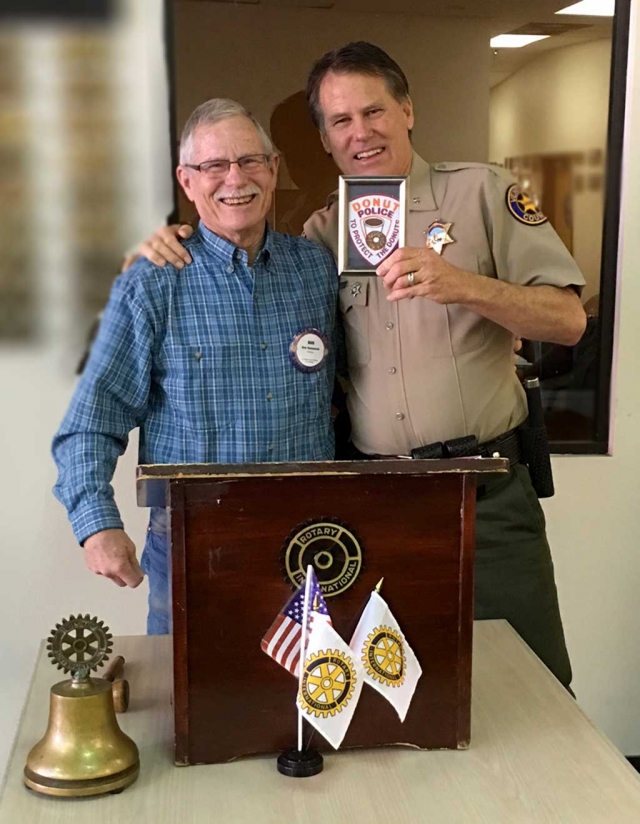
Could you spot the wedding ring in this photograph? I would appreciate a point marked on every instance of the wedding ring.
(411, 277)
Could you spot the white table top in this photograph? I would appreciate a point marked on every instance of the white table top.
(534, 757)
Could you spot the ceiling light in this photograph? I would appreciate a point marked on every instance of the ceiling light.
(515, 41)
(591, 8)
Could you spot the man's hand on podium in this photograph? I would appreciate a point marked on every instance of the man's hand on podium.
(112, 553)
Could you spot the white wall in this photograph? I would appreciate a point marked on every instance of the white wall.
(594, 521)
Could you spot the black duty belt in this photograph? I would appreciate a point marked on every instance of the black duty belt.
(504, 446)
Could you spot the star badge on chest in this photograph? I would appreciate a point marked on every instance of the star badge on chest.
(438, 236)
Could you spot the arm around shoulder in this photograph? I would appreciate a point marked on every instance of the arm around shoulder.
(165, 246)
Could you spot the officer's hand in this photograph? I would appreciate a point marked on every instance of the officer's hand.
(433, 277)
(113, 554)
(165, 247)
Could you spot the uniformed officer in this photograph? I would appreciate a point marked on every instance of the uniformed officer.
(486, 266)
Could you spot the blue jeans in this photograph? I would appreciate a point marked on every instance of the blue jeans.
(156, 564)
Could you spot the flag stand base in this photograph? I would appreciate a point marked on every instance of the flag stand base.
(300, 763)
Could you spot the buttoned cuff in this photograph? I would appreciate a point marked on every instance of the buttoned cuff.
(94, 518)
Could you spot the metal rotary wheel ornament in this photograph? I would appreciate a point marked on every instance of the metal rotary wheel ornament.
(79, 644)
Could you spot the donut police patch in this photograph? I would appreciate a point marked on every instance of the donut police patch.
(523, 208)
(374, 226)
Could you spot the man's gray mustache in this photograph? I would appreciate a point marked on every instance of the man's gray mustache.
(248, 190)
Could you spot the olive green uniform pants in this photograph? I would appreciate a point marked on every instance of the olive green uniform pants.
(514, 571)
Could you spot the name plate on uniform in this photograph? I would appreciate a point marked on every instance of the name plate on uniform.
(373, 220)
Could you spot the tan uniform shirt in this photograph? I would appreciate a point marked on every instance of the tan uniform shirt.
(422, 372)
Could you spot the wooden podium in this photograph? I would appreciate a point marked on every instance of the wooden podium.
(242, 533)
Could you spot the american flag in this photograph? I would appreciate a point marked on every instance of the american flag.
(282, 641)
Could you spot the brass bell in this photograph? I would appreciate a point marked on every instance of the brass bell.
(83, 752)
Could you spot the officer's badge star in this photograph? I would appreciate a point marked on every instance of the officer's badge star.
(438, 236)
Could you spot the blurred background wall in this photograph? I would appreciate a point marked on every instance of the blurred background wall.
(449, 77)
(85, 172)
(557, 105)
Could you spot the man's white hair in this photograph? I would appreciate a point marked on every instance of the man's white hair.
(211, 112)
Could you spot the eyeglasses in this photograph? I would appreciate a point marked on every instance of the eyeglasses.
(220, 168)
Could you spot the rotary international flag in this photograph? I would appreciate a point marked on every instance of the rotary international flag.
(390, 665)
(282, 640)
(330, 683)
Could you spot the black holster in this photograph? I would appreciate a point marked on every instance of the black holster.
(535, 443)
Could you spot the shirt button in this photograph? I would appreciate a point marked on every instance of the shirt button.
(399, 416)
(389, 326)
(229, 269)
(198, 355)
(392, 370)
(270, 447)
(269, 396)
(263, 345)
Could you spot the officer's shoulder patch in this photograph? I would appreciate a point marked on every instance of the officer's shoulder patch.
(522, 207)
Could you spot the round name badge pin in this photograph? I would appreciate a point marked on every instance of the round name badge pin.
(309, 350)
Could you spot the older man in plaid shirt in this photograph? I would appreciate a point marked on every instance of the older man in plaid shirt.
(231, 361)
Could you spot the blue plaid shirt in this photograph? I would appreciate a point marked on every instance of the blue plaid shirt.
(199, 360)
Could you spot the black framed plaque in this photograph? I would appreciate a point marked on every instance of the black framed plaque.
(373, 218)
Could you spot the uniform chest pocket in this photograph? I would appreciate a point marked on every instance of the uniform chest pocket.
(202, 383)
(467, 328)
(354, 307)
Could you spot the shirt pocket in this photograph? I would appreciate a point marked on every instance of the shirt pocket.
(467, 328)
(313, 391)
(201, 384)
(354, 302)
